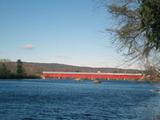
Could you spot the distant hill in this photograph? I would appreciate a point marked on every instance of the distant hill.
(38, 68)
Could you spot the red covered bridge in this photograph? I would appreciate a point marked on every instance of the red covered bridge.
(92, 76)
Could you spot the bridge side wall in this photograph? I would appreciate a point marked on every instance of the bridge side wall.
(91, 76)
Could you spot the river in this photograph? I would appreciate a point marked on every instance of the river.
(53, 99)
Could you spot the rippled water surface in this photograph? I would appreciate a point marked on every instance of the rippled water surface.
(84, 100)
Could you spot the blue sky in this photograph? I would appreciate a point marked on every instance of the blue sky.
(57, 31)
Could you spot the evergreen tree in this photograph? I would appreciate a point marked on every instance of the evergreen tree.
(20, 70)
(150, 22)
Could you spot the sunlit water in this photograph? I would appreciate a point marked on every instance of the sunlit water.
(84, 100)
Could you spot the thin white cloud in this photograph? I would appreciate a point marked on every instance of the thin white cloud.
(28, 47)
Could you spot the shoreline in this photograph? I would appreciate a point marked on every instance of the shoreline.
(39, 78)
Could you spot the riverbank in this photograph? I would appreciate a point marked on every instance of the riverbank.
(15, 77)
(20, 77)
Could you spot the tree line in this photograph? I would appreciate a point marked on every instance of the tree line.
(7, 73)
